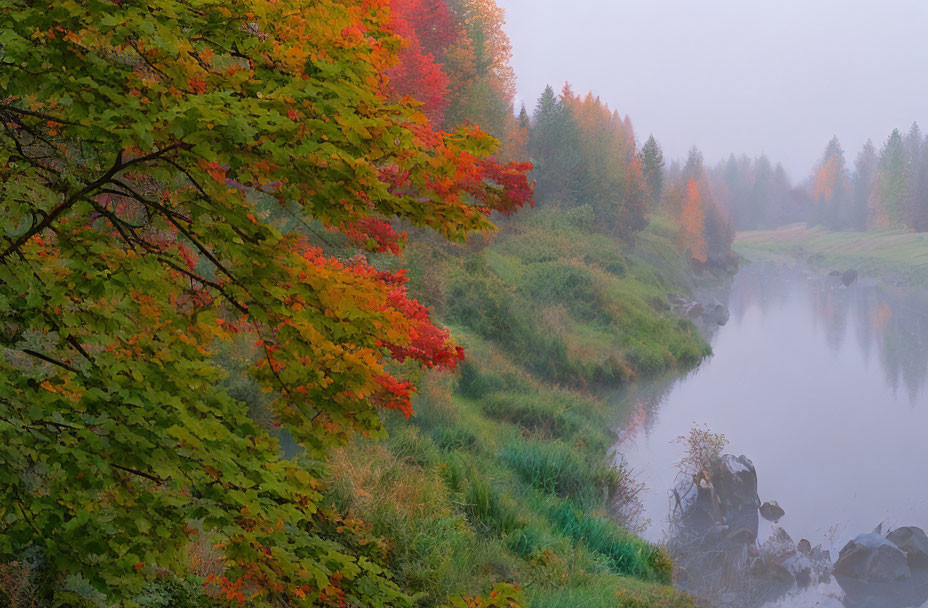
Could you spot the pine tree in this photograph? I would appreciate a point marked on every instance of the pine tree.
(912, 205)
(865, 171)
(693, 168)
(892, 184)
(920, 168)
(762, 190)
(652, 161)
(525, 122)
(554, 148)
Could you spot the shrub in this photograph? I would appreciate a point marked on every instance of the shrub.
(170, 591)
(19, 586)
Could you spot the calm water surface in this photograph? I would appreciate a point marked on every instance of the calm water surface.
(822, 386)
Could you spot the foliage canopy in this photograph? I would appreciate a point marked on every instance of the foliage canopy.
(176, 176)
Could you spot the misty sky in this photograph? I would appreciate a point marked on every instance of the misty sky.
(752, 76)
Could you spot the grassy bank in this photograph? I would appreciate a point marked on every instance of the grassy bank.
(897, 257)
(503, 473)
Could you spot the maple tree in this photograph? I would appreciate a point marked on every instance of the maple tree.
(690, 237)
(429, 30)
(697, 201)
(176, 177)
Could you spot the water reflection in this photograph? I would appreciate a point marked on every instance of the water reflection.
(823, 386)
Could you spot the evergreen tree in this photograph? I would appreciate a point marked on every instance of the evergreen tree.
(525, 122)
(693, 169)
(554, 148)
(913, 205)
(865, 171)
(761, 190)
(652, 163)
(920, 188)
(892, 183)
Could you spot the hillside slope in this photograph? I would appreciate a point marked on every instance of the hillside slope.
(504, 473)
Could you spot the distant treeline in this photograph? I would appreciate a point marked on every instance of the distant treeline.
(885, 188)
(586, 156)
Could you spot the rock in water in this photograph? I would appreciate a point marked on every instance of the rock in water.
(771, 511)
(735, 481)
(849, 277)
(800, 566)
(872, 558)
(876, 573)
(914, 543)
(770, 579)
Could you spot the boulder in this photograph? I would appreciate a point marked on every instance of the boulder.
(717, 314)
(914, 543)
(693, 310)
(770, 580)
(772, 511)
(735, 481)
(720, 507)
(805, 547)
(872, 558)
(800, 566)
(849, 277)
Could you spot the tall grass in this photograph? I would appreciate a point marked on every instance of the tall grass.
(504, 473)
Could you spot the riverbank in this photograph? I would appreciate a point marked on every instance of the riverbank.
(899, 258)
(503, 473)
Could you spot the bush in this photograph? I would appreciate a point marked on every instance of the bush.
(173, 592)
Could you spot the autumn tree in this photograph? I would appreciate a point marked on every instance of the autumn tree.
(691, 237)
(586, 154)
(831, 188)
(428, 29)
(485, 85)
(698, 202)
(189, 177)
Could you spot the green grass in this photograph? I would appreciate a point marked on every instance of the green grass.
(898, 257)
(503, 473)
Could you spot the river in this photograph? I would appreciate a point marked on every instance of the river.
(822, 386)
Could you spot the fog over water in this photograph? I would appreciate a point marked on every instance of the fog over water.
(732, 76)
(822, 386)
